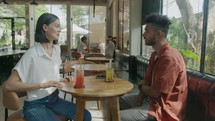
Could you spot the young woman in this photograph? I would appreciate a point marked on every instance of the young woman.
(37, 73)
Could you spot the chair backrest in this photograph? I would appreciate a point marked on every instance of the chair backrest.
(64, 50)
(11, 99)
(76, 55)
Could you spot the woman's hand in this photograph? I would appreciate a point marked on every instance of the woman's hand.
(67, 78)
(51, 84)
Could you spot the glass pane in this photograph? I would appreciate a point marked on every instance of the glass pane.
(146, 50)
(12, 17)
(126, 26)
(210, 46)
(120, 36)
(185, 33)
(97, 27)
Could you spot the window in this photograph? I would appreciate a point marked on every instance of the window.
(185, 33)
(210, 43)
(12, 27)
(120, 24)
(123, 25)
(126, 25)
(146, 50)
(92, 25)
(97, 26)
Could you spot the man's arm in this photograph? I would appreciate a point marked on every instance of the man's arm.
(145, 90)
(149, 91)
(141, 94)
(139, 100)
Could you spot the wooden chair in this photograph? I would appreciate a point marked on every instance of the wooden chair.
(11, 101)
(76, 55)
(64, 50)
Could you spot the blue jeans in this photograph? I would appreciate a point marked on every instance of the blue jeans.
(45, 109)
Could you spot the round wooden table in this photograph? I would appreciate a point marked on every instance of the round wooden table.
(98, 89)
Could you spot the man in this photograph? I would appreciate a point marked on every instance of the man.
(163, 91)
(109, 51)
(82, 47)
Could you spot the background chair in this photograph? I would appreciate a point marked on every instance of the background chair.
(76, 55)
(11, 101)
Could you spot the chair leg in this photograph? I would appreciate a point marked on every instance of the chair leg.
(64, 97)
(99, 105)
(5, 114)
(72, 99)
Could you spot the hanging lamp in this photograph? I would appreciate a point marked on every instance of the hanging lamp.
(94, 7)
(33, 3)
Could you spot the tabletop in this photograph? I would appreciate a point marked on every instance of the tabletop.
(99, 88)
(99, 59)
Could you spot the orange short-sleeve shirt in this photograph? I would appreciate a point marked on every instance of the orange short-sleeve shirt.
(167, 74)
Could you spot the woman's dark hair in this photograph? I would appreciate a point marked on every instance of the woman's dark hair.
(159, 21)
(47, 19)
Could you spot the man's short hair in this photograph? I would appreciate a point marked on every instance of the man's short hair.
(83, 38)
(159, 21)
(110, 37)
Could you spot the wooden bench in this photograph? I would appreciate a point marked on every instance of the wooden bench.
(201, 97)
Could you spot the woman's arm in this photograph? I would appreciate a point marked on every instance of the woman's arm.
(14, 84)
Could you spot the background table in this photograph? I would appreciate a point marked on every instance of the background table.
(90, 67)
(98, 59)
(97, 89)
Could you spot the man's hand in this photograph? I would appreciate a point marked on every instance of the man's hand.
(139, 100)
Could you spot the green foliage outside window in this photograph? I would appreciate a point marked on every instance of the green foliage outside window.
(20, 24)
